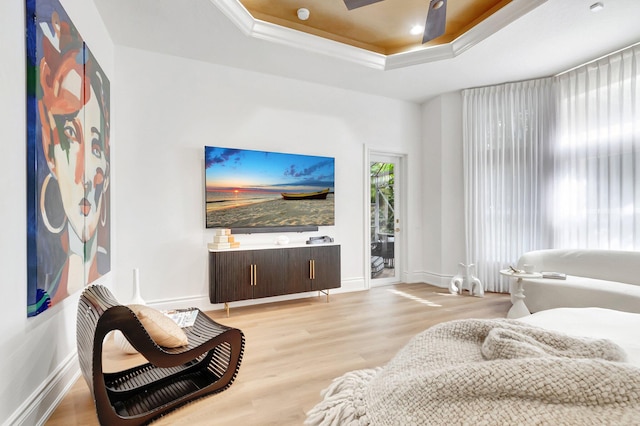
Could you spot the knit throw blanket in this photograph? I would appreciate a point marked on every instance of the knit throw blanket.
(489, 372)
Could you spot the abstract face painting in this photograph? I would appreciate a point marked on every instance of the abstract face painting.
(68, 235)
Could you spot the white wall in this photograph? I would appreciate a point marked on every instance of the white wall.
(37, 354)
(431, 155)
(452, 185)
(443, 193)
(172, 107)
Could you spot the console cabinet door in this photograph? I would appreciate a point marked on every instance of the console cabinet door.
(313, 268)
(269, 272)
(298, 276)
(326, 267)
(230, 276)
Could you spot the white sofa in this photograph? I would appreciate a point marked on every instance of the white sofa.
(595, 278)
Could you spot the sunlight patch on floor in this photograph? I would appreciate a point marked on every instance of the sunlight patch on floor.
(417, 299)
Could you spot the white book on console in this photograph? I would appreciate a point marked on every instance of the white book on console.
(219, 246)
(222, 231)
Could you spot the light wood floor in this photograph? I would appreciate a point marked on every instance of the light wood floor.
(295, 348)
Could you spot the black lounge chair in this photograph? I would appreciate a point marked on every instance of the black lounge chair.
(171, 378)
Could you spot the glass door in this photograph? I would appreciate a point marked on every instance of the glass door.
(385, 219)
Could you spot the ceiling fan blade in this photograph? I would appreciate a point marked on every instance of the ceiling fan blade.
(354, 4)
(436, 20)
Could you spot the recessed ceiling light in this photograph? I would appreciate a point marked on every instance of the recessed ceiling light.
(417, 29)
(596, 7)
(303, 14)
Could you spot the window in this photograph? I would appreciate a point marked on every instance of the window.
(553, 163)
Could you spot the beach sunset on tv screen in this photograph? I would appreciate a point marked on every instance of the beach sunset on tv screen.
(260, 189)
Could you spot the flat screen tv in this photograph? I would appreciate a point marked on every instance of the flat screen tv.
(261, 191)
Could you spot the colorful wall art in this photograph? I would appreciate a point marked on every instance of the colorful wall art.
(68, 171)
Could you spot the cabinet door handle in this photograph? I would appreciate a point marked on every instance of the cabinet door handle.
(255, 274)
(313, 269)
(253, 278)
(310, 269)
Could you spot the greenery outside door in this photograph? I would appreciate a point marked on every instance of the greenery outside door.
(385, 218)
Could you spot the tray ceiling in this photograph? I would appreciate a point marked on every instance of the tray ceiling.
(383, 27)
(377, 35)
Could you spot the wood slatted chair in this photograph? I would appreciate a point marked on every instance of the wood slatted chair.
(171, 378)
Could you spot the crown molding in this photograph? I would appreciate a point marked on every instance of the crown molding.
(237, 14)
(287, 36)
(259, 29)
(503, 17)
(256, 28)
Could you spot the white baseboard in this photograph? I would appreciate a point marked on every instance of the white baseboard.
(44, 400)
(203, 303)
(432, 278)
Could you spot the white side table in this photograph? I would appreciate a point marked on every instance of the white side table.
(519, 309)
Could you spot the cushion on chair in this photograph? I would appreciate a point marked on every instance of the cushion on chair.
(162, 329)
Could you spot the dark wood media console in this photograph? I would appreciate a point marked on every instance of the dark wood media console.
(240, 274)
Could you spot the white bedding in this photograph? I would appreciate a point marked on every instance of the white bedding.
(622, 328)
(498, 372)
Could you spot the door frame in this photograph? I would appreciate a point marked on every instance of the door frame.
(400, 161)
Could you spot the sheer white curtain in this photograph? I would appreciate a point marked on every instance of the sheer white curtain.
(553, 163)
(597, 155)
(506, 132)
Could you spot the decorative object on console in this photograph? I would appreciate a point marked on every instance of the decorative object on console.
(252, 191)
(282, 240)
(222, 239)
(320, 240)
(466, 279)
